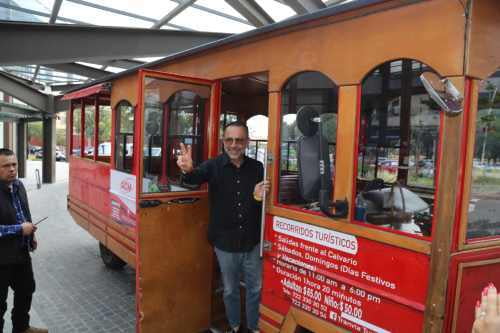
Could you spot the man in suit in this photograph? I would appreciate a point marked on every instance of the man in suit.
(17, 239)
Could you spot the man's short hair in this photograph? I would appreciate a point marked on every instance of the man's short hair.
(6, 152)
(237, 123)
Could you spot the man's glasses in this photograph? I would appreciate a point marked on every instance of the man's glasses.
(238, 141)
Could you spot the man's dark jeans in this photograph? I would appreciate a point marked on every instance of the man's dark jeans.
(20, 278)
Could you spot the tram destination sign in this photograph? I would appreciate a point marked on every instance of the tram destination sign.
(352, 282)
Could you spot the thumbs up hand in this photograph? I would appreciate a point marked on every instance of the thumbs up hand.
(185, 159)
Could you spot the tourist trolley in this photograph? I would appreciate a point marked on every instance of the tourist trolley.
(382, 149)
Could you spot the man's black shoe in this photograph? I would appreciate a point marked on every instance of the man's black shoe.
(232, 330)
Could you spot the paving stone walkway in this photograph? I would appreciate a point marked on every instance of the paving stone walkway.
(75, 291)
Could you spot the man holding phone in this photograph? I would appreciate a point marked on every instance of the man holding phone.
(236, 189)
(17, 238)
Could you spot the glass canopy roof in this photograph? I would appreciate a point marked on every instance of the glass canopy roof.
(200, 15)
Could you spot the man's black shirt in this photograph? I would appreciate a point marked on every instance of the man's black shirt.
(234, 213)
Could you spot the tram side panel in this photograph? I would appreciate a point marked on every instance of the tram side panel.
(89, 203)
(469, 274)
(175, 267)
(476, 261)
(345, 280)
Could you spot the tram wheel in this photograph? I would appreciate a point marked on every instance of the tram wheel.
(110, 259)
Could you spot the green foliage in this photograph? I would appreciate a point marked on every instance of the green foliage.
(488, 123)
(485, 179)
(61, 136)
(35, 130)
(488, 127)
(77, 121)
(105, 125)
(89, 122)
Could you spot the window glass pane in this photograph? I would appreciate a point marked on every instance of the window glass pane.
(91, 15)
(20, 15)
(276, 10)
(174, 113)
(257, 132)
(124, 140)
(220, 6)
(126, 119)
(424, 124)
(315, 95)
(208, 22)
(43, 6)
(27, 10)
(398, 140)
(484, 204)
(104, 146)
(153, 140)
(148, 8)
(225, 119)
(89, 130)
(77, 120)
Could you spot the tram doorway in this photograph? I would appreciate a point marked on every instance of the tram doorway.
(245, 98)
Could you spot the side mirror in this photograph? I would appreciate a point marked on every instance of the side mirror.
(443, 92)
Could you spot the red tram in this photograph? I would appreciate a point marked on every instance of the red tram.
(392, 225)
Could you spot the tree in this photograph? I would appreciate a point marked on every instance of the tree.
(104, 124)
(35, 132)
(61, 137)
(488, 123)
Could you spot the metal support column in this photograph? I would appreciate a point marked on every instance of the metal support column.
(21, 149)
(7, 135)
(49, 145)
(7, 127)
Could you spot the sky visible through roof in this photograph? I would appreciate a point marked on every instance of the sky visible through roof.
(203, 15)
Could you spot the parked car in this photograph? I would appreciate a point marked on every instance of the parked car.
(34, 149)
(60, 156)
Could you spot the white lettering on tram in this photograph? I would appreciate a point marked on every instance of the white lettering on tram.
(363, 323)
(329, 238)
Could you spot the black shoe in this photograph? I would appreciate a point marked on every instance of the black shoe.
(232, 330)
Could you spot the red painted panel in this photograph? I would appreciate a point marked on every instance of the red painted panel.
(478, 270)
(103, 88)
(349, 281)
(474, 279)
(89, 183)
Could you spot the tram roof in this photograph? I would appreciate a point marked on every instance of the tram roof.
(293, 21)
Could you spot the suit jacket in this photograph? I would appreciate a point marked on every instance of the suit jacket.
(12, 249)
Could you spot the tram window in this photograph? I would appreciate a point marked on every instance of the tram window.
(484, 201)
(226, 118)
(104, 144)
(77, 120)
(89, 129)
(173, 113)
(257, 143)
(398, 140)
(124, 138)
(316, 92)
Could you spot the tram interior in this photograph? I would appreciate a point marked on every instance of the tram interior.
(397, 145)
(94, 106)
(306, 93)
(245, 98)
(397, 149)
(178, 113)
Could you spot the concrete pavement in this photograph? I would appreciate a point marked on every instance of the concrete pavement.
(75, 291)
